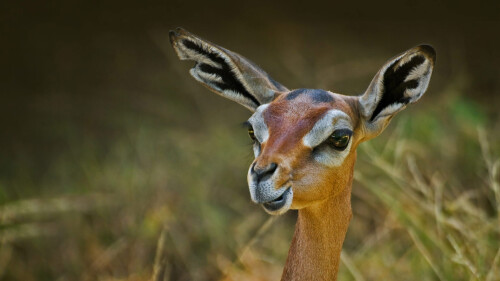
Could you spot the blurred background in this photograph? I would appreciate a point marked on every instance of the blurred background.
(115, 163)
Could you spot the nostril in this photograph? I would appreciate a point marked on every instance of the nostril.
(272, 167)
(268, 171)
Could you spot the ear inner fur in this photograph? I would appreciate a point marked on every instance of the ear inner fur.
(225, 72)
(401, 81)
(229, 81)
(395, 85)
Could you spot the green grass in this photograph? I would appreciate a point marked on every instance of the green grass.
(426, 204)
(168, 188)
(433, 225)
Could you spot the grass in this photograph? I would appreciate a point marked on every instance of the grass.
(448, 231)
(437, 202)
(425, 201)
(166, 196)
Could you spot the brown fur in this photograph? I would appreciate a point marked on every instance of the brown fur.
(322, 194)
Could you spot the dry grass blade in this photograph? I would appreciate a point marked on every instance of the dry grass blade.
(35, 208)
(346, 260)
(105, 258)
(493, 273)
(460, 257)
(417, 177)
(267, 224)
(461, 243)
(259, 233)
(425, 253)
(492, 167)
(160, 268)
(438, 185)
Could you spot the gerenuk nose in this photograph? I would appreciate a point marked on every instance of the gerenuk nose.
(263, 173)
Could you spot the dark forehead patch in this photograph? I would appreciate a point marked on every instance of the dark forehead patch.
(316, 95)
(295, 93)
(320, 96)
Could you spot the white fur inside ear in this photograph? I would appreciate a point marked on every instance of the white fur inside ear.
(201, 77)
(224, 72)
(403, 59)
(239, 98)
(421, 73)
(209, 77)
(373, 94)
(418, 71)
(408, 75)
(253, 81)
(189, 54)
(390, 110)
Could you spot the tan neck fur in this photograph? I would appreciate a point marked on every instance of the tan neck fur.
(319, 234)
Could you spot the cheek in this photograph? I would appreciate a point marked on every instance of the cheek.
(312, 182)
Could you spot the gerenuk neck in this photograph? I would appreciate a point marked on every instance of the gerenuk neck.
(319, 235)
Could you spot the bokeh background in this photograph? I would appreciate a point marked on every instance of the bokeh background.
(115, 163)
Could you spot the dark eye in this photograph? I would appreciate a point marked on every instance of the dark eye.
(251, 133)
(339, 139)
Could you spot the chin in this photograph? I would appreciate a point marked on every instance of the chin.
(281, 205)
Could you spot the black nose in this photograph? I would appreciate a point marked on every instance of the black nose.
(264, 173)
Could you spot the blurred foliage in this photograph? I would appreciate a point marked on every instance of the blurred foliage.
(425, 201)
(115, 164)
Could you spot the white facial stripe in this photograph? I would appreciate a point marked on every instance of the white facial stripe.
(259, 126)
(334, 119)
(256, 149)
(331, 157)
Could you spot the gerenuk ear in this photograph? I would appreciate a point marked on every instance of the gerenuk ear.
(224, 72)
(401, 81)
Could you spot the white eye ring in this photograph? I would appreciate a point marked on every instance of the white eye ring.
(331, 121)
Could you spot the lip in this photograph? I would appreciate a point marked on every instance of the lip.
(281, 204)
